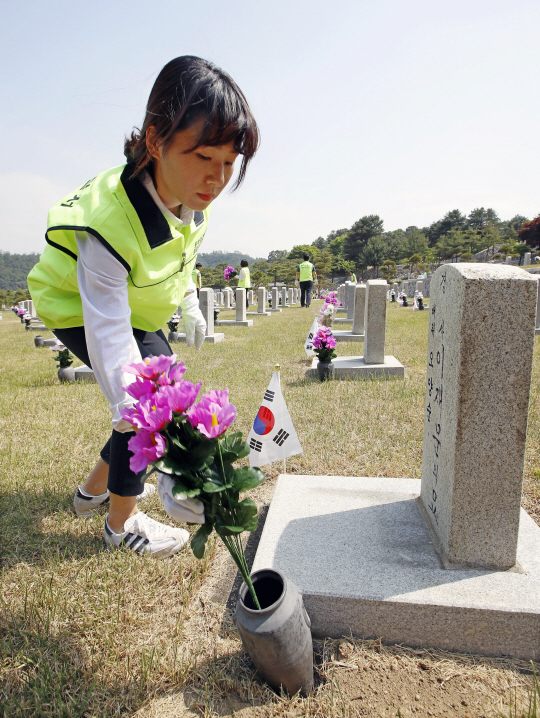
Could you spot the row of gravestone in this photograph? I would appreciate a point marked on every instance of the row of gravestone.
(285, 297)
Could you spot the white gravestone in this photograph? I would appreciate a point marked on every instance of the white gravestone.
(275, 301)
(261, 302)
(351, 293)
(227, 300)
(420, 286)
(474, 433)
(290, 295)
(375, 321)
(527, 258)
(284, 298)
(240, 304)
(240, 320)
(357, 332)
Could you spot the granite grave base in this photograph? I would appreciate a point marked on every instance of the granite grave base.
(234, 322)
(84, 373)
(363, 556)
(356, 368)
(212, 339)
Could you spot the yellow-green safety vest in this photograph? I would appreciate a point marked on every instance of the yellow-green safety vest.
(352, 278)
(246, 282)
(194, 275)
(306, 270)
(122, 215)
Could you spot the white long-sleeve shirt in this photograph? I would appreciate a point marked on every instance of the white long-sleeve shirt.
(102, 283)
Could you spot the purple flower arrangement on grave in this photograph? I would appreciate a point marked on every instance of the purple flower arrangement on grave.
(331, 298)
(229, 273)
(184, 438)
(324, 344)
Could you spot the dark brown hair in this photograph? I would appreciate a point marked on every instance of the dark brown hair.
(186, 90)
(244, 263)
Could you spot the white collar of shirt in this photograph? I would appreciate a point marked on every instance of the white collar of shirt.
(186, 214)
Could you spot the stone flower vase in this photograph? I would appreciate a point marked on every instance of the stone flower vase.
(326, 370)
(66, 373)
(277, 638)
(172, 337)
(38, 340)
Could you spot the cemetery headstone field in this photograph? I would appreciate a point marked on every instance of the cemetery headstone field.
(88, 633)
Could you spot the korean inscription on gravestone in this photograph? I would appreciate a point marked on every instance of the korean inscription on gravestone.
(435, 393)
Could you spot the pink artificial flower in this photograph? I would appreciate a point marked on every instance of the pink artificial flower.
(151, 367)
(140, 388)
(146, 447)
(176, 372)
(134, 416)
(155, 411)
(213, 414)
(324, 339)
(181, 395)
(150, 414)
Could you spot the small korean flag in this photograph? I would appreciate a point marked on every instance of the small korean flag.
(273, 436)
(308, 344)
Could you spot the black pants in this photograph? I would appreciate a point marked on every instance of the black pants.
(305, 293)
(122, 481)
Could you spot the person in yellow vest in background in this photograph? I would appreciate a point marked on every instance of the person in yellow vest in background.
(118, 262)
(352, 277)
(244, 280)
(306, 273)
(196, 277)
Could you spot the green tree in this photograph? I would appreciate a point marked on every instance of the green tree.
(451, 220)
(277, 254)
(480, 218)
(358, 236)
(374, 253)
(396, 246)
(415, 242)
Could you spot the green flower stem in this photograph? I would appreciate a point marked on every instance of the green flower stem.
(237, 553)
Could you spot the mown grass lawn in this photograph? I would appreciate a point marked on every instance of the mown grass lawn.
(88, 633)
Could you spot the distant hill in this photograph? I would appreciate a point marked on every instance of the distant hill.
(14, 269)
(212, 259)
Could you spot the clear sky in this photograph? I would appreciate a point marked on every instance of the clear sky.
(402, 108)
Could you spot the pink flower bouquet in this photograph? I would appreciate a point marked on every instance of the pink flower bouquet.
(229, 273)
(185, 438)
(324, 344)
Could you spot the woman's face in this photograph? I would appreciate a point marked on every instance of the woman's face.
(194, 179)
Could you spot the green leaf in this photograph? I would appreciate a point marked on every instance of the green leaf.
(223, 530)
(198, 542)
(180, 491)
(168, 466)
(246, 478)
(233, 446)
(210, 487)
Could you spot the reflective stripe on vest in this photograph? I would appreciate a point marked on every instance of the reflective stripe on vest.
(122, 215)
(306, 271)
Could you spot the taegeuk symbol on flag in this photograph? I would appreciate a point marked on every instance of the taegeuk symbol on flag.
(273, 436)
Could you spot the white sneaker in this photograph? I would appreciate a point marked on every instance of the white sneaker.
(144, 535)
(86, 506)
